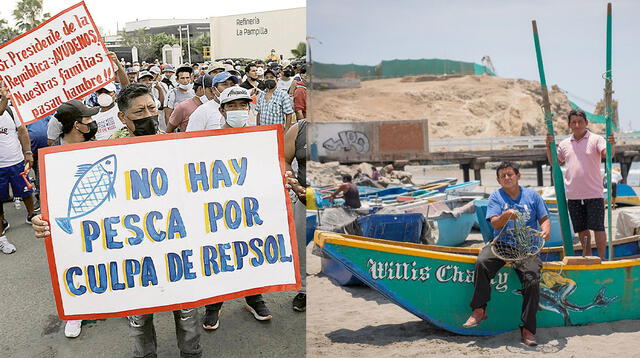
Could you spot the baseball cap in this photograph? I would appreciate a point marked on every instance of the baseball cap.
(233, 93)
(223, 76)
(145, 74)
(168, 68)
(75, 110)
(155, 70)
(131, 70)
(205, 81)
(109, 87)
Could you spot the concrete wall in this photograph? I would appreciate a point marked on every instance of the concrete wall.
(350, 142)
(254, 35)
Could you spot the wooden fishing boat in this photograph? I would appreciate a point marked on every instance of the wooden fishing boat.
(462, 187)
(436, 284)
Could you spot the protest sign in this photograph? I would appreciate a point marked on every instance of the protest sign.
(167, 221)
(62, 59)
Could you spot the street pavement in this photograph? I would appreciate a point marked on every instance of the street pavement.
(30, 326)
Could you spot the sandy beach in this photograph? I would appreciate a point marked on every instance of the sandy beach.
(358, 321)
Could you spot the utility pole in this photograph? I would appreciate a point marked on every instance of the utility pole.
(188, 44)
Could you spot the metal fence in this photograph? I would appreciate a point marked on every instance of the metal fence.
(462, 144)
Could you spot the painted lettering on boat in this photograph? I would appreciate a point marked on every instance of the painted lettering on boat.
(409, 271)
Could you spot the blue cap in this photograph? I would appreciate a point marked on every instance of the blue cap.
(223, 76)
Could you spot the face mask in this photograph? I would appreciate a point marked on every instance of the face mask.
(93, 129)
(186, 87)
(196, 72)
(288, 73)
(260, 71)
(204, 99)
(270, 84)
(237, 119)
(146, 126)
(105, 100)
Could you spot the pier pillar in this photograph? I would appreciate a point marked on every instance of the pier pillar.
(465, 172)
(625, 159)
(539, 174)
(478, 164)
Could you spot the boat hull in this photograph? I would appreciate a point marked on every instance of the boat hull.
(438, 286)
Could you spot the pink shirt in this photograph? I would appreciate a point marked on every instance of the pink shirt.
(180, 115)
(582, 159)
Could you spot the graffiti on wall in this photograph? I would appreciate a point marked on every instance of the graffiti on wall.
(347, 141)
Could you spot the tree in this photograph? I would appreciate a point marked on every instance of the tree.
(198, 45)
(7, 32)
(28, 14)
(300, 51)
(149, 46)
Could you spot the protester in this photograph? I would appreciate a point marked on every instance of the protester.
(180, 116)
(286, 79)
(146, 78)
(182, 92)
(215, 68)
(167, 80)
(234, 107)
(504, 204)
(581, 155)
(300, 95)
(274, 105)
(132, 74)
(38, 136)
(295, 148)
(78, 125)
(15, 152)
(107, 118)
(208, 116)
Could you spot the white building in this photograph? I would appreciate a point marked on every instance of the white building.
(254, 35)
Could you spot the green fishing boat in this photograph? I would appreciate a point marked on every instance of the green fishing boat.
(436, 284)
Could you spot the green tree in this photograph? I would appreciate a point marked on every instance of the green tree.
(199, 44)
(7, 32)
(300, 51)
(28, 14)
(149, 46)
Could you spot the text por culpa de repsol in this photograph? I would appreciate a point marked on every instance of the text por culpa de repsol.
(75, 37)
(218, 217)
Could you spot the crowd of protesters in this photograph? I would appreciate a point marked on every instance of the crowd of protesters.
(153, 99)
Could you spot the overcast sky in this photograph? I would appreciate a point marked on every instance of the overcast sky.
(111, 13)
(572, 35)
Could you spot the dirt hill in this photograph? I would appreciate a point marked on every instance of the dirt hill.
(468, 106)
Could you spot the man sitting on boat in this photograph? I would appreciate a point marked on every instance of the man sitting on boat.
(351, 195)
(506, 204)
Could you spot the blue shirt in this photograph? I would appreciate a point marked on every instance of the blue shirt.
(38, 134)
(529, 203)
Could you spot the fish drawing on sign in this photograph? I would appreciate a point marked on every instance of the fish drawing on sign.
(92, 188)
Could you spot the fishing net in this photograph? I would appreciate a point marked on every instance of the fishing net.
(517, 243)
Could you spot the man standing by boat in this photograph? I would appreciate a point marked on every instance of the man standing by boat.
(581, 155)
(506, 204)
(350, 190)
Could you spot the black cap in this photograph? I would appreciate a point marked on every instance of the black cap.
(75, 110)
(206, 81)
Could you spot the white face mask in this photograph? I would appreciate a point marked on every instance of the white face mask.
(204, 99)
(105, 100)
(260, 71)
(237, 119)
(186, 87)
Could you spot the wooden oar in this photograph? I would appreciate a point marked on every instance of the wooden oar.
(558, 181)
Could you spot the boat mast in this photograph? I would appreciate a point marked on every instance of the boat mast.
(555, 167)
(608, 115)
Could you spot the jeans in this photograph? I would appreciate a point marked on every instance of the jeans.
(144, 334)
(300, 218)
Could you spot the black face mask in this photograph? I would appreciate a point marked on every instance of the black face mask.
(270, 84)
(261, 85)
(288, 73)
(146, 126)
(93, 129)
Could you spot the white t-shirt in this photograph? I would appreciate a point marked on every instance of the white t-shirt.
(10, 148)
(108, 122)
(206, 116)
(284, 85)
(54, 129)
